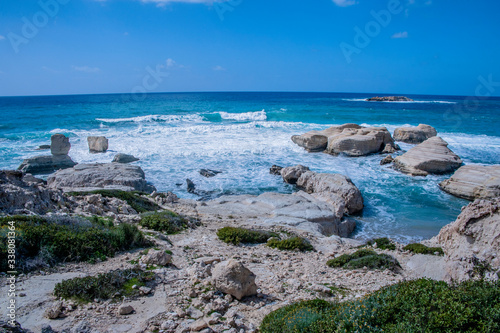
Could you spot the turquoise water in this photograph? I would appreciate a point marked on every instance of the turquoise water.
(243, 134)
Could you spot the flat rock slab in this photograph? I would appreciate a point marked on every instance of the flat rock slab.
(46, 164)
(299, 210)
(430, 157)
(474, 182)
(428, 266)
(103, 176)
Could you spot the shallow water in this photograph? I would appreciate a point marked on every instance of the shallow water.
(243, 134)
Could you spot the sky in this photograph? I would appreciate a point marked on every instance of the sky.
(58, 47)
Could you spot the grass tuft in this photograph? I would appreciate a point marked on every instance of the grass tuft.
(165, 221)
(422, 249)
(291, 244)
(111, 285)
(235, 236)
(364, 258)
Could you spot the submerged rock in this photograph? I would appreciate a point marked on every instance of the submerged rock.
(414, 134)
(209, 173)
(105, 176)
(43, 147)
(387, 160)
(97, 144)
(124, 158)
(474, 182)
(231, 277)
(472, 243)
(430, 157)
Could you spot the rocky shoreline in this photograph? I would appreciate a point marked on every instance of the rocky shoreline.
(202, 284)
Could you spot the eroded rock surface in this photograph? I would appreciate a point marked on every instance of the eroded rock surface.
(474, 182)
(414, 134)
(105, 176)
(231, 277)
(473, 240)
(430, 157)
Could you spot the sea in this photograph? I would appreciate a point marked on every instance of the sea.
(244, 134)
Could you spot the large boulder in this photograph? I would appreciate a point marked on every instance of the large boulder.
(414, 134)
(360, 142)
(231, 277)
(46, 164)
(105, 176)
(22, 193)
(157, 257)
(472, 242)
(59, 145)
(474, 182)
(430, 157)
(335, 189)
(318, 140)
(124, 158)
(97, 144)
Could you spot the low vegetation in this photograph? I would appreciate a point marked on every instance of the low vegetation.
(413, 306)
(134, 199)
(422, 249)
(291, 244)
(165, 221)
(236, 236)
(111, 285)
(382, 243)
(46, 241)
(364, 258)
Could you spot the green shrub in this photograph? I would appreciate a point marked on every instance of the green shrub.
(291, 244)
(44, 241)
(134, 199)
(364, 258)
(236, 236)
(111, 285)
(422, 249)
(383, 243)
(413, 306)
(164, 221)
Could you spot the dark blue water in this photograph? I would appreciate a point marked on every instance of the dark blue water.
(243, 134)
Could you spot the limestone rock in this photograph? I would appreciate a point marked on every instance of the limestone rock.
(474, 182)
(157, 257)
(55, 311)
(275, 170)
(46, 164)
(414, 134)
(473, 238)
(360, 142)
(209, 173)
(292, 174)
(59, 145)
(231, 277)
(124, 158)
(125, 310)
(430, 157)
(97, 144)
(387, 160)
(43, 147)
(318, 140)
(105, 176)
(338, 187)
(22, 193)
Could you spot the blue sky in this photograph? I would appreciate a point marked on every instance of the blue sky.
(408, 47)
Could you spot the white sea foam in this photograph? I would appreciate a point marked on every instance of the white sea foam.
(245, 116)
(155, 118)
(408, 102)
